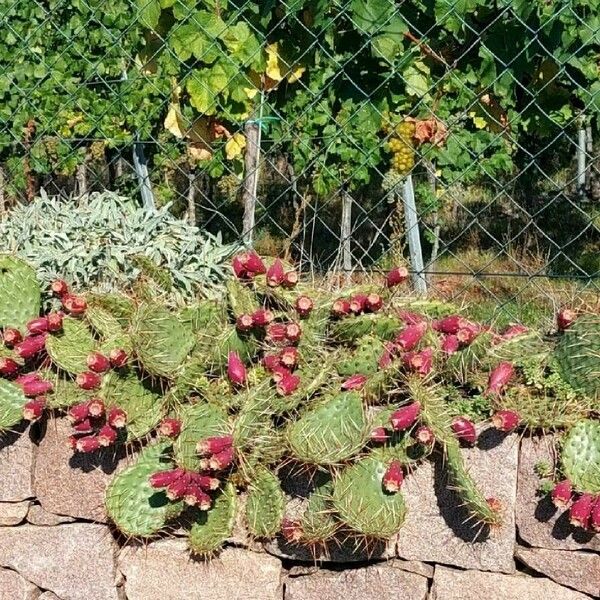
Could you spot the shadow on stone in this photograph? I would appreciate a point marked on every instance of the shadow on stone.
(106, 460)
(8, 438)
(545, 510)
(490, 438)
(453, 511)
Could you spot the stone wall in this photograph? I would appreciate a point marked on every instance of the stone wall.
(55, 542)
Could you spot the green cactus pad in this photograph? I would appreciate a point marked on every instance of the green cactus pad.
(210, 529)
(362, 502)
(20, 296)
(265, 504)
(70, 348)
(331, 432)
(144, 407)
(109, 328)
(350, 329)
(66, 392)
(580, 456)
(199, 421)
(12, 401)
(161, 341)
(578, 355)
(318, 523)
(121, 307)
(217, 349)
(133, 505)
(364, 360)
(471, 365)
(206, 317)
(241, 298)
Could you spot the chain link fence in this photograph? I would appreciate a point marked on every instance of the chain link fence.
(459, 136)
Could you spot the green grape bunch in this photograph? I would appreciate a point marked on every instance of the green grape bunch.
(402, 148)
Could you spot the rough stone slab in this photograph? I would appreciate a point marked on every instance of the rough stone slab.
(164, 570)
(71, 484)
(437, 528)
(15, 587)
(539, 522)
(13, 513)
(17, 456)
(379, 582)
(48, 596)
(453, 584)
(75, 561)
(575, 569)
(38, 516)
(414, 566)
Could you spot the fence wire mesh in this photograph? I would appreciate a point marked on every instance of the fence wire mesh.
(457, 135)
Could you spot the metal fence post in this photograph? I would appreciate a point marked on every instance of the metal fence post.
(581, 159)
(414, 239)
(346, 233)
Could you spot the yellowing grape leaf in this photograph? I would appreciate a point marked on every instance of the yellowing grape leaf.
(235, 145)
(479, 122)
(296, 72)
(273, 69)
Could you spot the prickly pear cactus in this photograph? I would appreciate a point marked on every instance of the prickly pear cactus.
(20, 295)
(580, 456)
(12, 401)
(70, 348)
(265, 504)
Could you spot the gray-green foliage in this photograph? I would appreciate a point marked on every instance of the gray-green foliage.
(94, 242)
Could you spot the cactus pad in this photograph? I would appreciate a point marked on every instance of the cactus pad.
(20, 296)
(580, 456)
(70, 348)
(265, 504)
(364, 360)
(350, 329)
(12, 401)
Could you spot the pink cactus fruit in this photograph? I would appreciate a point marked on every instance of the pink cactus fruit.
(465, 335)
(450, 324)
(396, 276)
(262, 317)
(55, 321)
(86, 444)
(30, 346)
(73, 304)
(59, 287)
(276, 332)
(8, 367)
(97, 362)
(37, 326)
(11, 337)
(379, 435)
(562, 494)
(405, 417)
(96, 407)
(293, 332)
(33, 409)
(506, 420)
(580, 512)
(289, 356)
(177, 488)
(565, 318)
(236, 371)
(279, 372)
(170, 427)
(373, 303)
(107, 436)
(288, 384)
(304, 305)
(340, 307)
(425, 435)
(275, 274)
(358, 303)
(162, 479)
(450, 344)
(595, 516)
(195, 496)
(271, 362)
(354, 382)
(116, 417)
(118, 358)
(84, 426)
(79, 412)
(410, 336)
(35, 387)
(221, 460)
(244, 322)
(499, 378)
(411, 318)
(385, 360)
(393, 477)
(513, 331)
(88, 380)
(254, 264)
(464, 430)
(419, 362)
(214, 445)
(238, 267)
(290, 279)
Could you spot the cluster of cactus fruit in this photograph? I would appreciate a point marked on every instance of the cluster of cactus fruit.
(223, 402)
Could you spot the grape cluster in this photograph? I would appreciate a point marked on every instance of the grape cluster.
(229, 187)
(97, 149)
(401, 146)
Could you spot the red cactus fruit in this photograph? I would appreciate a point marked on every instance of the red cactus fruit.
(34, 408)
(205, 482)
(59, 287)
(465, 335)
(262, 317)
(118, 358)
(254, 264)
(11, 337)
(289, 356)
(358, 303)
(373, 302)
(275, 274)
(396, 276)
(96, 407)
(293, 332)
(236, 371)
(170, 427)
(419, 362)
(238, 267)
(8, 367)
(37, 326)
(595, 516)
(450, 324)
(55, 321)
(279, 372)
(75, 305)
(98, 362)
(385, 360)
(304, 305)
(405, 417)
(393, 477)
(290, 279)
(221, 460)
(28, 378)
(88, 380)
(565, 318)
(162, 479)
(271, 361)
(88, 443)
(425, 435)
(499, 378)
(244, 322)
(506, 420)
(288, 384)
(84, 426)
(36, 387)
(194, 496)
(340, 307)
(562, 493)
(580, 512)
(117, 417)
(411, 318)
(450, 344)
(410, 336)
(379, 435)
(177, 488)
(276, 332)
(354, 382)
(79, 412)
(291, 530)
(31, 346)
(107, 436)
(464, 430)
(214, 445)
(513, 331)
